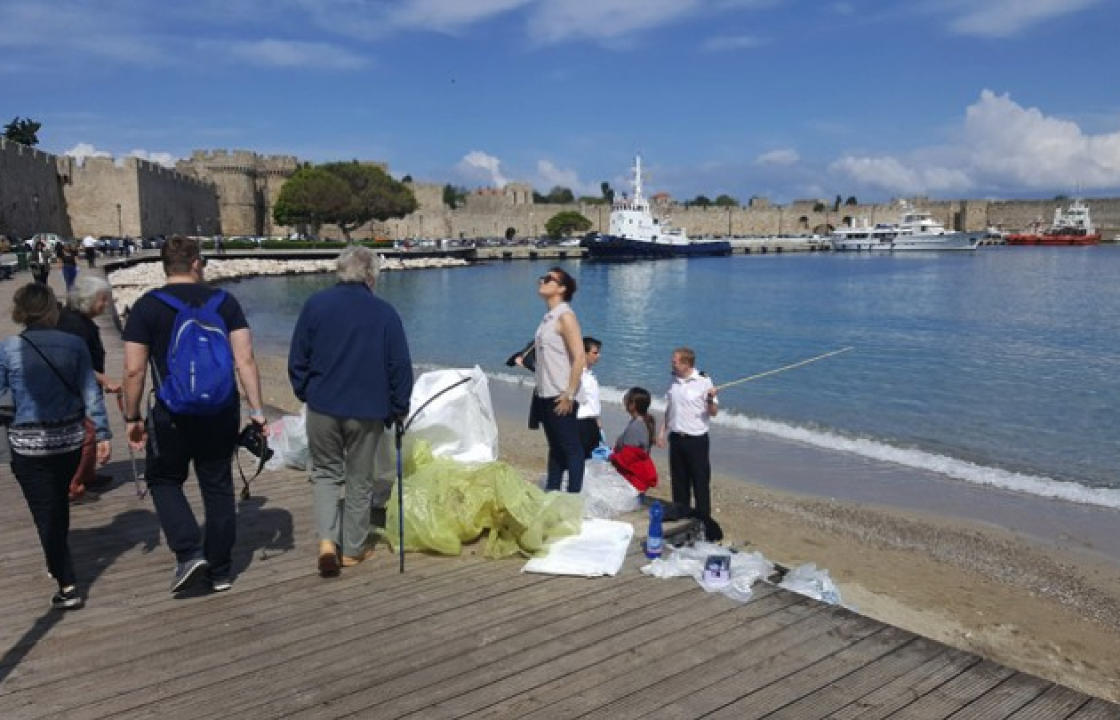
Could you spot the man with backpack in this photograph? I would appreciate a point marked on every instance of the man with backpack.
(193, 337)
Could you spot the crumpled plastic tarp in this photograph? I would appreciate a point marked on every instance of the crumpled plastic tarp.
(746, 568)
(808, 580)
(448, 503)
(606, 494)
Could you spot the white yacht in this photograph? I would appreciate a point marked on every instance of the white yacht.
(915, 230)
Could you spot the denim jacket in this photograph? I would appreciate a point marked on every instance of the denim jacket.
(38, 394)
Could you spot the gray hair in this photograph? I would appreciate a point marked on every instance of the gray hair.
(358, 264)
(87, 289)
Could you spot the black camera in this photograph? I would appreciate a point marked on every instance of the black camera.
(253, 439)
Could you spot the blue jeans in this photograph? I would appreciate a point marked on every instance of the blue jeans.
(565, 450)
(69, 272)
(174, 441)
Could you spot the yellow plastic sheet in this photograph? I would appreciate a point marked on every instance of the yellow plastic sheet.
(447, 504)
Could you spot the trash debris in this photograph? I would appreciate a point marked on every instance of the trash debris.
(808, 580)
(745, 568)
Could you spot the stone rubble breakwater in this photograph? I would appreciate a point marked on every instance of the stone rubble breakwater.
(131, 282)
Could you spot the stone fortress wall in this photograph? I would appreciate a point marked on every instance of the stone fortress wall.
(31, 197)
(232, 192)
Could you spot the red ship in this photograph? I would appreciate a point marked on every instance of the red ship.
(1072, 227)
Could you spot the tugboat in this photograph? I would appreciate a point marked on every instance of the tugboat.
(636, 235)
(1072, 227)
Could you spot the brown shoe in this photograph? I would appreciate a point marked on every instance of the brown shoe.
(351, 561)
(328, 559)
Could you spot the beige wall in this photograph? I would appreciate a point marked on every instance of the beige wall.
(31, 196)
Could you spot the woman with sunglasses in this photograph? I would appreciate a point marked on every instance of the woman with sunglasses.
(560, 362)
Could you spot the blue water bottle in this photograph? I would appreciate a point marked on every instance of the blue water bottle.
(653, 538)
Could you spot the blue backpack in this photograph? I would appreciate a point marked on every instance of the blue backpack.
(199, 377)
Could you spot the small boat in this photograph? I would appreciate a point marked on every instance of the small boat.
(636, 235)
(915, 230)
(1071, 227)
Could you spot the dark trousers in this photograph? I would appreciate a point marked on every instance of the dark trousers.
(45, 481)
(174, 441)
(588, 435)
(91, 257)
(691, 471)
(565, 451)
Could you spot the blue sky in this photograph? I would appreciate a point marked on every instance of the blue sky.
(781, 98)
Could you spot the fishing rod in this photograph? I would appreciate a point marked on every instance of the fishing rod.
(775, 371)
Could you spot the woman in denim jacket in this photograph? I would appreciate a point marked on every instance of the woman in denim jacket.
(51, 381)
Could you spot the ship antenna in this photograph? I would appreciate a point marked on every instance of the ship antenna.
(637, 177)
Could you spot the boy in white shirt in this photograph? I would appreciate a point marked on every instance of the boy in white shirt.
(590, 407)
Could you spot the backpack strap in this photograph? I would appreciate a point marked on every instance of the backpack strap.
(168, 299)
(215, 301)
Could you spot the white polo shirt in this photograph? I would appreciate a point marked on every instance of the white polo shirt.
(686, 404)
(588, 396)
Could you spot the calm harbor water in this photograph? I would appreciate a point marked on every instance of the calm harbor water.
(1000, 367)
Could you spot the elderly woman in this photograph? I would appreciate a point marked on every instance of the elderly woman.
(89, 298)
(560, 362)
(49, 376)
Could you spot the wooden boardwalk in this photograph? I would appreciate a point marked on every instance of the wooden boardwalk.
(452, 637)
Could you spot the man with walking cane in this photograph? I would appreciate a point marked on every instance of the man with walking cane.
(349, 362)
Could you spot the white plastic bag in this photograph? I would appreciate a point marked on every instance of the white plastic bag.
(746, 568)
(816, 583)
(288, 438)
(599, 549)
(606, 494)
(458, 424)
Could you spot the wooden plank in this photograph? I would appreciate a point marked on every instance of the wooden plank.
(663, 655)
(1057, 702)
(902, 691)
(1096, 709)
(863, 681)
(815, 676)
(750, 666)
(1004, 699)
(943, 701)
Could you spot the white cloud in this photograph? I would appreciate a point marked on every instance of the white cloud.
(477, 166)
(550, 176)
(780, 156)
(1000, 145)
(725, 43)
(450, 15)
(162, 158)
(561, 20)
(1005, 18)
(81, 151)
(291, 53)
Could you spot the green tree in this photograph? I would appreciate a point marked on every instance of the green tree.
(726, 201)
(836, 204)
(591, 200)
(347, 194)
(453, 196)
(406, 179)
(309, 198)
(23, 130)
(819, 207)
(608, 193)
(700, 201)
(565, 223)
(510, 233)
(851, 200)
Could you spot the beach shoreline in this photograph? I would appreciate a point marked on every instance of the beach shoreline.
(1046, 608)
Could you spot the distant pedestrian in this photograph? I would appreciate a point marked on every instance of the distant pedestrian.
(560, 361)
(349, 362)
(690, 403)
(68, 254)
(90, 298)
(89, 247)
(194, 419)
(40, 262)
(52, 386)
(590, 405)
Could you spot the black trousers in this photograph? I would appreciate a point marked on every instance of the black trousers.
(690, 471)
(174, 442)
(588, 435)
(564, 449)
(45, 481)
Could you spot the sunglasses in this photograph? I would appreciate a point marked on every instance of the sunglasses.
(547, 279)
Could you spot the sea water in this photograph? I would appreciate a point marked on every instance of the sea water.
(999, 367)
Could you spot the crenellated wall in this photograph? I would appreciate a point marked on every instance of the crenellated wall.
(247, 185)
(31, 192)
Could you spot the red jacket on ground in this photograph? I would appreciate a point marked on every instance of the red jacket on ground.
(635, 465)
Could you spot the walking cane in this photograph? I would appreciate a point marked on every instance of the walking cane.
(141, 491)
(399, 432)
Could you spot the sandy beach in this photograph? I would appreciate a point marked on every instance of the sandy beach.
(1048, 608)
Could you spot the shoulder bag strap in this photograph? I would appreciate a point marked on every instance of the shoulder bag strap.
(51, 365)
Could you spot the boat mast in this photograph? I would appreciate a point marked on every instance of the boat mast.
(638, 178)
